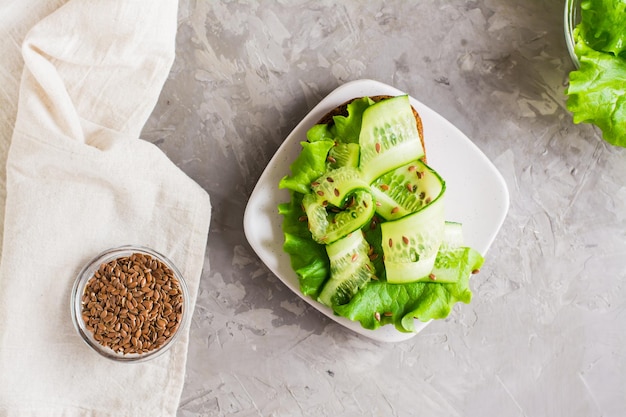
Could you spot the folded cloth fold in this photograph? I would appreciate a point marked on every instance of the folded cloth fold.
(79, 181)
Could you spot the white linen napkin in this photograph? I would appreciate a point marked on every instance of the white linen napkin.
(79, 181)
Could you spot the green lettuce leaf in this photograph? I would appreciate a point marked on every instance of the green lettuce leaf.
(308, 259)
(603, 25)
(308, 166)
(596, 93)
(319, 132)
(347, 128)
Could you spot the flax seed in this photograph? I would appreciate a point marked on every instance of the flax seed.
(132, 304)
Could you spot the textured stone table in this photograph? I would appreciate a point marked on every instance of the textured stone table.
(545, 334)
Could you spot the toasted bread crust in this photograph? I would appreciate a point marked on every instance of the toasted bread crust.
(342, 110)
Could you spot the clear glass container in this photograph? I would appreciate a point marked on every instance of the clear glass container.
(571, 19)
(155, 312)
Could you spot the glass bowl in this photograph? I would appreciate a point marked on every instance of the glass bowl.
(571, 19)
(130, 303)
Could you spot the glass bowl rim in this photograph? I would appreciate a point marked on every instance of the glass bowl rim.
(570, 20)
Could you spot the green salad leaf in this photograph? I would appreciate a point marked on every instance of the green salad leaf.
(310, 164)
(597, 89)
(347, 128)
(603, 25)
(597, 93)
(308, 258)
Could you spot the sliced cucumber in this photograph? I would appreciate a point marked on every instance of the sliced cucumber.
(336, 185)
(452, 260)
(449, 265)
(329, 223)
(452, 235)
(350, 269)
(344, 155)
(388, 137)
(410, 244)
(406, 190)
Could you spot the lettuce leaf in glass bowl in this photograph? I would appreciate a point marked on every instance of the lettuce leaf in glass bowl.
(597, 89)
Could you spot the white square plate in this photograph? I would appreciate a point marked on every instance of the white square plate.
(476, 194)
